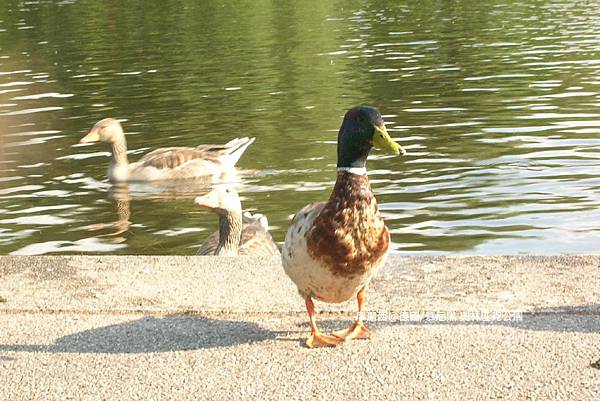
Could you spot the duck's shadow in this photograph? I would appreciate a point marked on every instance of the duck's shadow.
(189, 332)
(154, 334)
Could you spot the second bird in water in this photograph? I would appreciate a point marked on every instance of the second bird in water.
(240, 234)
(210, 162)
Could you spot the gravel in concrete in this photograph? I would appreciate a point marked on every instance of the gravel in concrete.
(101, 328)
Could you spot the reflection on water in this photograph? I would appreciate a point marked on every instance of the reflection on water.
(498, 106)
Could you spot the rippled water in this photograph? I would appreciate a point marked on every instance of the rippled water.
(497, 103)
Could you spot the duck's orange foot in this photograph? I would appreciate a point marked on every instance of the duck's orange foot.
(357, 330)
(318, 340)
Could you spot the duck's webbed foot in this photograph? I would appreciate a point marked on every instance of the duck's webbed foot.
(357, 330)
(318, 340)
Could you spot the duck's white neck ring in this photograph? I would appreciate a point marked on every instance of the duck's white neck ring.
(354, 170)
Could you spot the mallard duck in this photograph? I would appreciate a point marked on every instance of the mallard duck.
(332, 249)
(239, 234)
(203, 161)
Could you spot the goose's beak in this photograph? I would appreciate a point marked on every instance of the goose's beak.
(91, 136)
(210, 200)
(382, 140)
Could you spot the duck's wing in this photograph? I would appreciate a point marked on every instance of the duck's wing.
(304, 219)
(295, 238)
(256, 239)
(226, 155)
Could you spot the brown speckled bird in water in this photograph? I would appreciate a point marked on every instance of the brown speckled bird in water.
(177, 163)
(332, 249)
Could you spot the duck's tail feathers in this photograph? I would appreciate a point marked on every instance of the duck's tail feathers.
(235, 149)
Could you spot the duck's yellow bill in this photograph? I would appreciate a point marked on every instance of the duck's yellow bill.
(92, 136)
(382, 140)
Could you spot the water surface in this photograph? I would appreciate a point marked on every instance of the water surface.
(497, 103)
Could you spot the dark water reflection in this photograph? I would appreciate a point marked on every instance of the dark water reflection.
(498, 104)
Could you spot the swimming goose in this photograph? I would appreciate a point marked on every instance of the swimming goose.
(239, 234)
(176, 163)
(332, 249)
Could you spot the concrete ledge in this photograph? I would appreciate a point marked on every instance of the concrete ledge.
(170, 284)
(188, 328)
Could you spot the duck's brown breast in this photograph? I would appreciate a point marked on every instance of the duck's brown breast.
(349, 235)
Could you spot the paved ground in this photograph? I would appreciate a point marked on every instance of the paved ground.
(112, 328)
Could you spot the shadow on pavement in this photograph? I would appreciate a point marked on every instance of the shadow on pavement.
(151, 334)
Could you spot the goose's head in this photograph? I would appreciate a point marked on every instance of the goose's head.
(106, 130)
(221, 200)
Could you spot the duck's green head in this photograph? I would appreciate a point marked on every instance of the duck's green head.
(363, 128)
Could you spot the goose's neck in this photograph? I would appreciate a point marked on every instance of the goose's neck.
(230, 233)
(119, 152)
